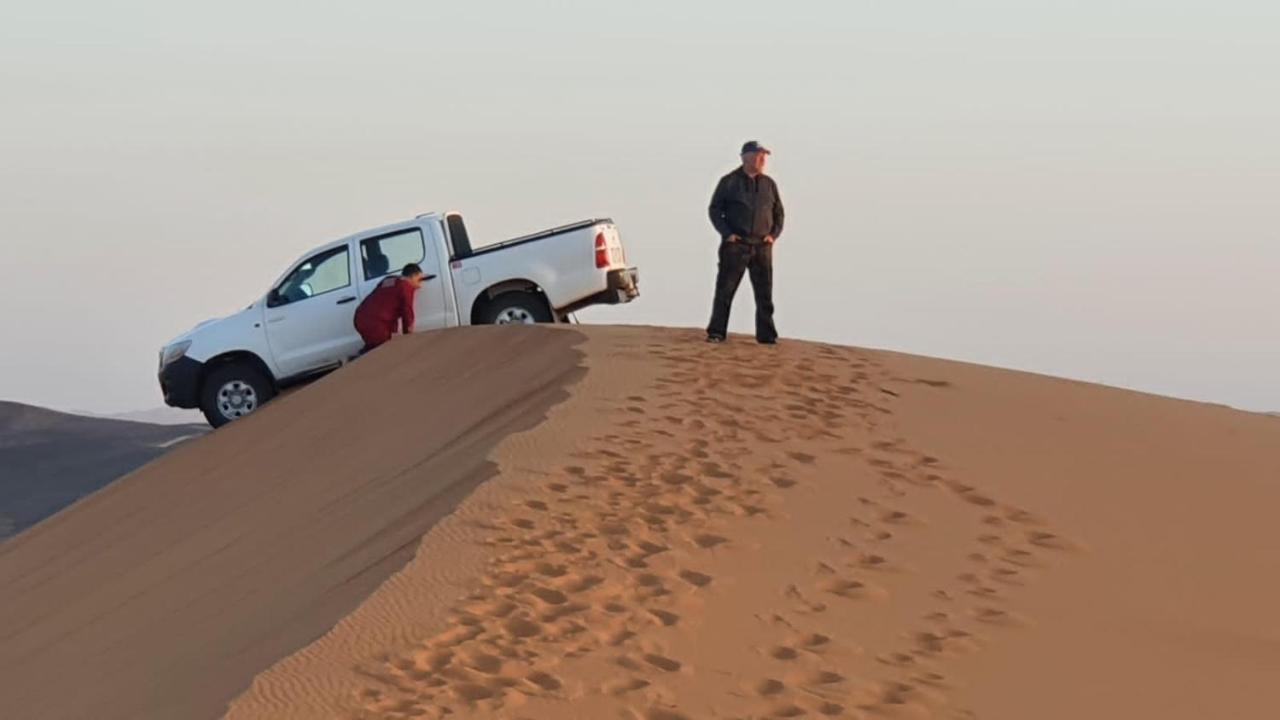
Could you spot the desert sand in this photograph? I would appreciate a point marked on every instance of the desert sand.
(163, 594)
(628, 523)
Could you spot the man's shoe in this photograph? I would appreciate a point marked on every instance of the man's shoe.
(767, 341)
(715, 338)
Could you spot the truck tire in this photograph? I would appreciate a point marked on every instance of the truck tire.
(517, 308)
(232, 391)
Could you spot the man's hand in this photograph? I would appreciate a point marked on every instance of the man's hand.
(768, 239)
(732, 239)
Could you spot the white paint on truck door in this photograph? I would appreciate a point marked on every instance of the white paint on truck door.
(387, 254)
(310, 315)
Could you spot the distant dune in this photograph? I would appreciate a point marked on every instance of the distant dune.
(50, 459)
(629, 523)
(161, 416)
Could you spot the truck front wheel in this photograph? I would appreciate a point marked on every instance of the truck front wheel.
(232, 391)
(517, 308)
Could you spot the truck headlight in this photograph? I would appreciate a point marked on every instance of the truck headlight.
(172, 352)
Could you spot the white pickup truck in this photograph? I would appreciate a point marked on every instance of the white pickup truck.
(303, 325)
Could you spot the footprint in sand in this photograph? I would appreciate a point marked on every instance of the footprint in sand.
(819, 678)
(665, 618)
(549, 596)
(544, 681)
(872, 561)
(626, 685)
(708, 541)
(784, 653)
(1051, 541)
(1022, 517)
(1008, 576)
(1023, 558)
(483, 663)
(806, 605)
(471, 692)
(616, 637)
(996, 616)
(814, 642)
(828, 708)
(522, 627)
(898, 660)
(662, 662)
(852, 589)
(897, 517)
(769, 687)
(550, 570)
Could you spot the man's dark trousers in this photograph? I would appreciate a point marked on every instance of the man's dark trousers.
(737, 258)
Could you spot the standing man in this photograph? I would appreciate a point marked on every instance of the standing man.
(747, 212)
(390, 303)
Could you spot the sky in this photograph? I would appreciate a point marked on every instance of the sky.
(1082, 189)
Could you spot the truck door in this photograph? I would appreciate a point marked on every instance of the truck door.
(310, 314)
(387, 254)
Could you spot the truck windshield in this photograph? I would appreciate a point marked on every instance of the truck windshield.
(319, 274)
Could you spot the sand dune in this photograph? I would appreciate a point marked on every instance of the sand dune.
(692, 531)
(161, 416)
(162, 595)
(49, 459)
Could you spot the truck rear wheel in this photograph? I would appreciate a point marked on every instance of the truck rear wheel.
(517, 308)
(232, 391)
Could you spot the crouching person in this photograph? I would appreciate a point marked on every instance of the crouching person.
(390, 304)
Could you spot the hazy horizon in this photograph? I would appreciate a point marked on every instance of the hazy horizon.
(1083, 191)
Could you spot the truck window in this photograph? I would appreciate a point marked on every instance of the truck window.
(389, 254)
(317, 275)
(458, 234)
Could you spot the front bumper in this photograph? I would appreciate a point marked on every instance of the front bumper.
(180, 382)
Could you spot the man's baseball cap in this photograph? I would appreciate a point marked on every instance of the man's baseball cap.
(752, 146)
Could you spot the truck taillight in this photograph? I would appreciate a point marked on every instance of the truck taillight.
(602, 251)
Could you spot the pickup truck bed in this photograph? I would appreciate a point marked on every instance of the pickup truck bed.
(468, 251)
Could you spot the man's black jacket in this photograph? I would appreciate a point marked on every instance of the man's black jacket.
(747, 207)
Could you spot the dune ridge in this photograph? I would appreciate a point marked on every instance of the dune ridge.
(811, 531)
(694, 535)
(672, 531)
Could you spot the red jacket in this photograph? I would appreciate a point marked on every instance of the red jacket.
(376, 317)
